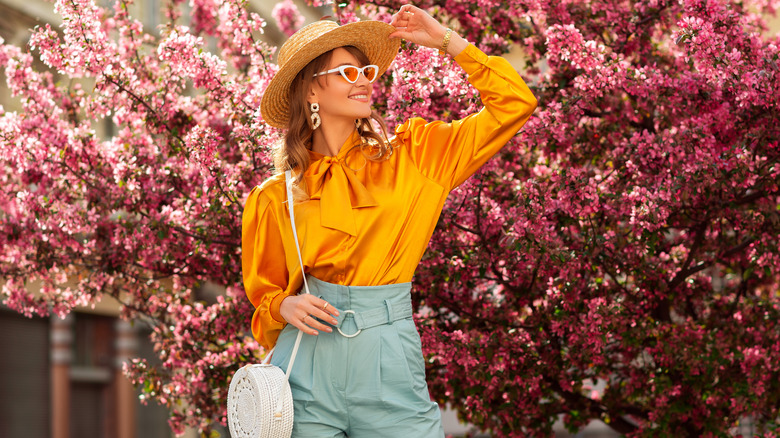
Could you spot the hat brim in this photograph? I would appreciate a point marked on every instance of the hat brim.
(370, 37)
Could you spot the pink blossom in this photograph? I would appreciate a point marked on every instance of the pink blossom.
(287, 17)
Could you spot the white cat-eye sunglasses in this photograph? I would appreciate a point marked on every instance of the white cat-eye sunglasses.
(352, 73)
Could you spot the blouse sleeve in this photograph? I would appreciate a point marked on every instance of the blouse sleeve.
(263, 265)
(448, 153)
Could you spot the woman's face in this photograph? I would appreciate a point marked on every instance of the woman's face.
(337, 97)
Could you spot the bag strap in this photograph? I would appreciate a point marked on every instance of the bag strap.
(289, 182)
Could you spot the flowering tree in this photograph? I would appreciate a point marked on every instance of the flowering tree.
(628, 235)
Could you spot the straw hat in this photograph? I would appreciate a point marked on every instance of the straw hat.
(371, 37)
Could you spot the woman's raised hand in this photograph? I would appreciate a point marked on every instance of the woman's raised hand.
(303, 309)
(413, 24)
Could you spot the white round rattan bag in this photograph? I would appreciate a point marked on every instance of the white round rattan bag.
(256, 393)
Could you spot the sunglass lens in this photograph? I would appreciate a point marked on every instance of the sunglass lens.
(351, 73)
(370, 73)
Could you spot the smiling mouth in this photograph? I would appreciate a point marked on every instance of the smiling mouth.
(359, 97)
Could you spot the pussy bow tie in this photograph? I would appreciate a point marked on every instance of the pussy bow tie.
(339, 191)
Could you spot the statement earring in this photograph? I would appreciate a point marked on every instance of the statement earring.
(316, 120)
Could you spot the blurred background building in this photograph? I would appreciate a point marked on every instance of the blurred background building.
(61, 378)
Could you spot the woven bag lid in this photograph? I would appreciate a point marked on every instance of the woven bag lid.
(252, 399)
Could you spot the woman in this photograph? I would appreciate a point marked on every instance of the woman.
(365, 209)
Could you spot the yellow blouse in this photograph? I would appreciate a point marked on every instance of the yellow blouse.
(368, 223)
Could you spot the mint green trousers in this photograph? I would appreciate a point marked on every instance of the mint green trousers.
(367, 377)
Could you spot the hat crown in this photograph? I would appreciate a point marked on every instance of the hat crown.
(302, 37)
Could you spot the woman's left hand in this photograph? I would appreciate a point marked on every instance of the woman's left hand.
(415, 25)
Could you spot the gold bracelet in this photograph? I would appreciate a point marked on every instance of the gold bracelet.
(446, 42)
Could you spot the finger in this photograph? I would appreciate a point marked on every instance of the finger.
(403, 10)
(323, 310)
(399, 21)
(323, 315)
(401, 34)
(315, 324)
(301, 325)
(402, 15)
(330, 309)
(400, 27)
(318, 304)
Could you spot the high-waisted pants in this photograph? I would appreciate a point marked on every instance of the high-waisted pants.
(366, 379)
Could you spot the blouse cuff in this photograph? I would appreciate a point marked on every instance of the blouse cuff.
(471, 59)
(276, 303)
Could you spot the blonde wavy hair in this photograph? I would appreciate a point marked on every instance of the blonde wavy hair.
(293, 153)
